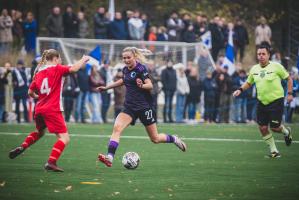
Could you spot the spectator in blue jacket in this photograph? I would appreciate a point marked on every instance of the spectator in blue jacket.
(30, 30)
(117, 28)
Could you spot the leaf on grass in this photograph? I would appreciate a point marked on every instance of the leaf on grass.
(130, 181)
(116, 193)
(169, 189)
(192, 164)
(41, 181)
(170, 195)
(2, 184)
(136, 190)
(69, 188)
(56, 191)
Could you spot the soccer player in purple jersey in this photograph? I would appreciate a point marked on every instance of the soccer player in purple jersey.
(138, 104)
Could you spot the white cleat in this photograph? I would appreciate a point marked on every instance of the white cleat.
(179, 143)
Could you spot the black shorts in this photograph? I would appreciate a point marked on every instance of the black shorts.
(146, 116)
(270, 114)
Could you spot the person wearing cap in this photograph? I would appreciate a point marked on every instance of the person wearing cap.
(20, 88)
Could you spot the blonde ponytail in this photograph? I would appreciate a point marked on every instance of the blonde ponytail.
(140, 54)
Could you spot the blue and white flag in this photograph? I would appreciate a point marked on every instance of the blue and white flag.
(111, 10)
(229, 54)
(95, 58)
(206, 39)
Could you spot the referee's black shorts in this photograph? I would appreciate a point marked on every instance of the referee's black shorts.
(270, 114)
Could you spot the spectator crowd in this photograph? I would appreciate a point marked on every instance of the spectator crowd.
(196, 91)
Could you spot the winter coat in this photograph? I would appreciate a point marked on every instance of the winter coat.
(30, 30)
(6, 24)
(71, 25)
(83, 29)
(195, 90)
(168, 79)
(101, 24)
(136, 28)
(54, 25)
(117, 30)
(209, 87)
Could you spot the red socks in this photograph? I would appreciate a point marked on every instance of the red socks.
(56, 151)
(30, 139)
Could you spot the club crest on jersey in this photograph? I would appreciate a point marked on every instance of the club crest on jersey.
(133, 74)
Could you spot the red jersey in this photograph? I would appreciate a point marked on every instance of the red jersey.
(48, 84)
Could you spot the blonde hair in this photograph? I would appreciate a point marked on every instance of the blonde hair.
(47, 55)
(139, 54)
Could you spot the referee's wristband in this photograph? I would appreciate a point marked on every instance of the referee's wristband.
(241, 89)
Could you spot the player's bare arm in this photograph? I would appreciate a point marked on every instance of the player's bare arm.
(115, 84)
(79, 64)
(32, 94)
(290, 89)
(147, 85)
(244, 87)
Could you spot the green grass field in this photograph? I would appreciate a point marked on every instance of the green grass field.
(222, 162)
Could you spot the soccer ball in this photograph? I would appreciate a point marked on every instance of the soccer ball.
(131, 160)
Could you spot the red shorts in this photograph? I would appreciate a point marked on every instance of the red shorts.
(54, 121)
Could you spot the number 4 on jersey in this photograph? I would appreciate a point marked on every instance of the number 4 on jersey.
(45, 87)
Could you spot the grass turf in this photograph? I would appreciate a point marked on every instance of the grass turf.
(209, 170)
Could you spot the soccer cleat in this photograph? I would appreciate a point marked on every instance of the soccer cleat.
(105, 159)
(15, 152)
(52, 167)
(288, 138)
(274, 155)
(179, 143)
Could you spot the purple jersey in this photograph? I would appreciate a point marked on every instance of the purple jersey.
(136, 98)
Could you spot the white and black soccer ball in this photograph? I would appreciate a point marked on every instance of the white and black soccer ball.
(131, 160)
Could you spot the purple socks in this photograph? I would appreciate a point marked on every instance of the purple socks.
(169, 139)
(112, 146)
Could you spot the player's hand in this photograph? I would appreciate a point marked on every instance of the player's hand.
(290, 98)
(236, 93)
(139, 82)
(85, 58)
(102, 88)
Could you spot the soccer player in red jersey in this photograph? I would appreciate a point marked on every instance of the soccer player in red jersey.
(47, 87)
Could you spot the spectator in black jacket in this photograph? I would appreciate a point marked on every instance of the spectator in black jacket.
(217, 37)
(70, 92)
(70, 23)
(168, 79)
(209, 88)
(3, 82)
(83, 82)
(54, 23)
(241, 39)
(101, 24)
(193, 97)
(20, 89)
(189, 35)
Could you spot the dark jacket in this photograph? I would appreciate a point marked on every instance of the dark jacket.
(195, 90)
(217, 36)
(19, 91)
(209, 87)
(70, 85)
(224, 86)
(54, 25)
(71, 25)
(241, 35)
(83, 80)
(237, 82)
(101, 24)
(189, 36)
(168, 79)
(3, 82)
(117, 30)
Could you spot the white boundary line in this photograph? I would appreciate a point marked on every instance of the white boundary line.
(147, 138)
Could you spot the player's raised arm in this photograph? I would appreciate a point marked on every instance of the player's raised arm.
(115, 84)
(79, 64)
